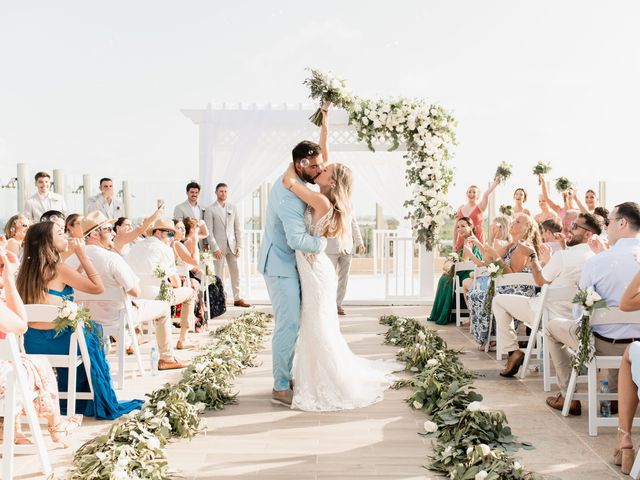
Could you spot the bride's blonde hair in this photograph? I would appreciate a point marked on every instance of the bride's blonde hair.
(340, 198)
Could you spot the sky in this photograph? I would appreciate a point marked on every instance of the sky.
(98, 87)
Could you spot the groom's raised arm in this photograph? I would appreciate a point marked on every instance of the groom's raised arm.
(296, 231)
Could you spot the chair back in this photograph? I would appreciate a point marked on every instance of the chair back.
(606, 316)
(464, 266)
(515, 279)
(39, 312)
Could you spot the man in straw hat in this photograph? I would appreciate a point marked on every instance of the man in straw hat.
(116, 274)
(154, 254)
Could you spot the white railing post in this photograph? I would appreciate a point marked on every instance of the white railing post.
(86, 191)
(126, 198)
(23, 189)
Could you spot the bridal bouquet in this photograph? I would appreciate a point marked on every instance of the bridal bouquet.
(326, 87)
(503, 170)
(589, 300)
(563, 184)
(70, 315)
(541, 168)
(166, 292)
(506, 210)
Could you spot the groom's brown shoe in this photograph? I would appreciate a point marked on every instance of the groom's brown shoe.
(282, 397)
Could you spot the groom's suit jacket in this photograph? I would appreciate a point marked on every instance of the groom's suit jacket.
(284, 233)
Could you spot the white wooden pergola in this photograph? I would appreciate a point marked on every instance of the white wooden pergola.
(225, 128)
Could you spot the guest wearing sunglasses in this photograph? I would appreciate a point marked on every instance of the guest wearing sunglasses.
(155, 254)
(15, 230)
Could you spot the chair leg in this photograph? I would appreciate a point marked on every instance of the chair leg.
(592, 382)
(136, 346)
(36, 432)
(568, 397)
(72, 383)
(533, 340)
(8, 448)
(121, 353)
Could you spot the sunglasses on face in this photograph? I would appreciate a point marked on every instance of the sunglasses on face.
(575, 225)
(106, 229)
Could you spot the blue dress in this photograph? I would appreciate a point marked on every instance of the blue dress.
(476, 298)
(105, 405)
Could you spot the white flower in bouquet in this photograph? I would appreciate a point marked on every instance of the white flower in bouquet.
(486, 449)
(447, 451)
(492, 268)
(481, 475)
(64, 312)
(474, 406)
(401, 329)
(72, 316)
(417, 405)
(430, 426)
(432, 362)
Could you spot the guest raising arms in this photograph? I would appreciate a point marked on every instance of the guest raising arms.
(475, 211)
(568, 197)
(126, 234)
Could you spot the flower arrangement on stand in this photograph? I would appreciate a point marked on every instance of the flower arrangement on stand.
(589, 300)
(133, 446)
(471, 441)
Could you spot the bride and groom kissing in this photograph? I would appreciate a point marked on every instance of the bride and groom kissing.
(307, 344)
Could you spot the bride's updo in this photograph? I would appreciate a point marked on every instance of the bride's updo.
(340, 198)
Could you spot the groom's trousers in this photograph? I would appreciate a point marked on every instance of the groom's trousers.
(285, 298)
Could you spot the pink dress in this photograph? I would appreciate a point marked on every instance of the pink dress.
(478, 228)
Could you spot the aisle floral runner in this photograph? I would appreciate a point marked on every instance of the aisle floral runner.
(132, 449)
(471, 442)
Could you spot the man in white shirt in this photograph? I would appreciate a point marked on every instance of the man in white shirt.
(156, 252)
(44, 199)
(190, 207)
(116, 274)
(340, 252)
(105, 202)
(563, 270)
(608, 273)
(225, 239)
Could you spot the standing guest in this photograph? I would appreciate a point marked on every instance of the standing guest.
(441, 311)
(567, 196)
(545, 212)
(44, 199)
(608, 273)
(73, 225)
(44, 278)
(190, 207)
(519, 199)
(40, 376)
(340, 252)
(475, 211)
(115, 273)
(563, 270)
(105, 202)
(225, 239)
(590, 202)
(514, 260)
(154, 252)
(126, 234)
(15, 231)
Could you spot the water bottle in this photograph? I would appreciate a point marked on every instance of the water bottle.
(154, 357)
(605, 405)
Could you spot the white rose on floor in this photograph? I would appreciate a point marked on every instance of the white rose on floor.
(474, 406)
(417, 405)
(486, 450)
(430, 426)
(432, 362)
(517, 465)
(481, 475)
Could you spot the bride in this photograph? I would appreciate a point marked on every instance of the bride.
(328, 375)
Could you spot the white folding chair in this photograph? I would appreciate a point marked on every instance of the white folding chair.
(125, 322)
(18, 391)
(457, 288)
(70, 361)
(540, 318)
(601, 316)
(501, 281)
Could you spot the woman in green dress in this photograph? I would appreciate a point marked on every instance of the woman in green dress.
(441, 311)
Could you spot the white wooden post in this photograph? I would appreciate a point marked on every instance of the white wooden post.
(86, 191)
(126, 198)
(602, 193)
(23, 190)
(58, 181)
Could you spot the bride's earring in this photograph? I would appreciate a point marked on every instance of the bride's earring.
(333, 185)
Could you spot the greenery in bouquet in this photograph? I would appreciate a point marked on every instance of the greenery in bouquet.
(166, 292)
(209, 270)
(541, 168)
(450, 264)
(506, 210)
(326, 87)
(589, 300)
(495, 270)
(70, 315)
(503, 171)
(563, 184)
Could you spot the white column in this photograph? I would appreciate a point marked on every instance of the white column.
(58, 181)
(126, 198)
(602, 193)
(206, 177)
(86, 191)
(23, 190)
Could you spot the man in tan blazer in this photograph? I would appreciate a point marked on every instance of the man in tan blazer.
(105, 201)
(340, 252)
(190, 207)
(225, 239)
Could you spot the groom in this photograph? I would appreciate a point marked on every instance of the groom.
(284, 233)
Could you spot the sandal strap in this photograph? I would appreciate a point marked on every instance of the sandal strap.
(623, 431)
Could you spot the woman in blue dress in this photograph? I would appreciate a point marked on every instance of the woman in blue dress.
(43, 278)
(523, 230)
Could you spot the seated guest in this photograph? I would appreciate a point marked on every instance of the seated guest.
(550, 230)
(126, 234)
(475, 211)
(514, 260)
(608, 273)
(15, 230)
(44, 199)
(519, 199)
(40, 376)
(116, 273)
(44, 278)
(105, 202)
(54, 216)
(441, 311)
(568, 218)
(155, 252)
(73, 226)
(545, 212)
(563, 270)
(568, 198)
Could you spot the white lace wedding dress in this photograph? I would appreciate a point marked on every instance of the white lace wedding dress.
(328, 375)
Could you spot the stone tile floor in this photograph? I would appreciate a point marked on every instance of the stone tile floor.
(255, 439)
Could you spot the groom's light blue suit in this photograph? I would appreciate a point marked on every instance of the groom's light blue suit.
(284, 233)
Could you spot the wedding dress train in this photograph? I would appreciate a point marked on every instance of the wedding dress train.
(328, 375)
